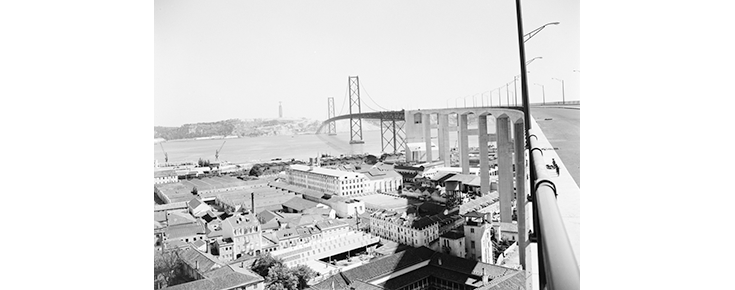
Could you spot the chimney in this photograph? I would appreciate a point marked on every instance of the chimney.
(196, 265)
(484, 277)
(252, 202)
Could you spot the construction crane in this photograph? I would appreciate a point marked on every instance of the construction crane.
(216, 153)
(164, 151)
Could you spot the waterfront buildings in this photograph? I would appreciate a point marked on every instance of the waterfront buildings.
(332, 181)
(164, 176)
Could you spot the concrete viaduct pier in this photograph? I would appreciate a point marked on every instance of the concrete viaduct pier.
(510, 139)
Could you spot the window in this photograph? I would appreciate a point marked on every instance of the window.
(472, 244)
(472, 231)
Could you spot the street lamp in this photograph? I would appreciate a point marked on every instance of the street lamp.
(563, 98)
(543, 90)
(528, 36)
(535, 58)
(455, 102)
(465, 100)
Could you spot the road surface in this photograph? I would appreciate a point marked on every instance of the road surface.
(561, 127)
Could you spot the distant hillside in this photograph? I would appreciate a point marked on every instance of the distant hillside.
(250, 127)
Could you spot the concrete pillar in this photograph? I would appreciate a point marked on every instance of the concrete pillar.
(520, 158)
(426, 119)
(444, 139)
(484, 161)
(464, 146)
(505, 168)
(439, 140)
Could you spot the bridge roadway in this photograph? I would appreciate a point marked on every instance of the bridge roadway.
(561, 126)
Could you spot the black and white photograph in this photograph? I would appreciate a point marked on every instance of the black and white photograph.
(366, 145)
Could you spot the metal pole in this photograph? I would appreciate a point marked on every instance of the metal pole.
(507, 96)
(515, 90)
(543, 90)
(563, 96)
(527, 119)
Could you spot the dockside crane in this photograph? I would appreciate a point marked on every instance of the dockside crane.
(164, 151)
(216, 153)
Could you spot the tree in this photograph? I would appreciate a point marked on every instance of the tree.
(303, 273)
(281, 277)
(371, 159)
(264, 262)
(168, 269)
(453, 201)
(256, 170)
(194, 191)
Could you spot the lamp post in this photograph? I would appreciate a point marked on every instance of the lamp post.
(535, 58)
(515, 91)
(563, 97)
(528, 36)
(543, 91)
(465, 100)
(507, 96)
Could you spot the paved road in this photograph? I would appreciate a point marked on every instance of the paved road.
(562, 130)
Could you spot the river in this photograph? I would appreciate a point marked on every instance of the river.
(248, 149)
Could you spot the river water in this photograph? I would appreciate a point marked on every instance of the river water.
(249, 149)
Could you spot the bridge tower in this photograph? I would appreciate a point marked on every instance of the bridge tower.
(332, 128)
(355, 124)
(392, 134)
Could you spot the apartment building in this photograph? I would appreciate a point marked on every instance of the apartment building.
(332, 181)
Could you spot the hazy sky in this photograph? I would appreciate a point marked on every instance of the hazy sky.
(216, 60)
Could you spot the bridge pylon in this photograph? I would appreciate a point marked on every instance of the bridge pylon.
(332, 127)
(355, 123)
(392, 135)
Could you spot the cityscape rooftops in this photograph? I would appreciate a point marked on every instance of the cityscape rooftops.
(330, 224)
(161, 173)
(170, 206)
(184, 230)
(440, 266)
(202, 262)
(463, 178)
(410, 220)
(453, 235)
(509, 227)
(227, 277)
(299, 204)
(326, 171)
(179, 217)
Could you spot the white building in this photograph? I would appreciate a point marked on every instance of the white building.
(409, 230)
(382, 180)
(326, 180)
(478, 235)
(324, 239)
(165, 176)
(452, 243)
(244, 230)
